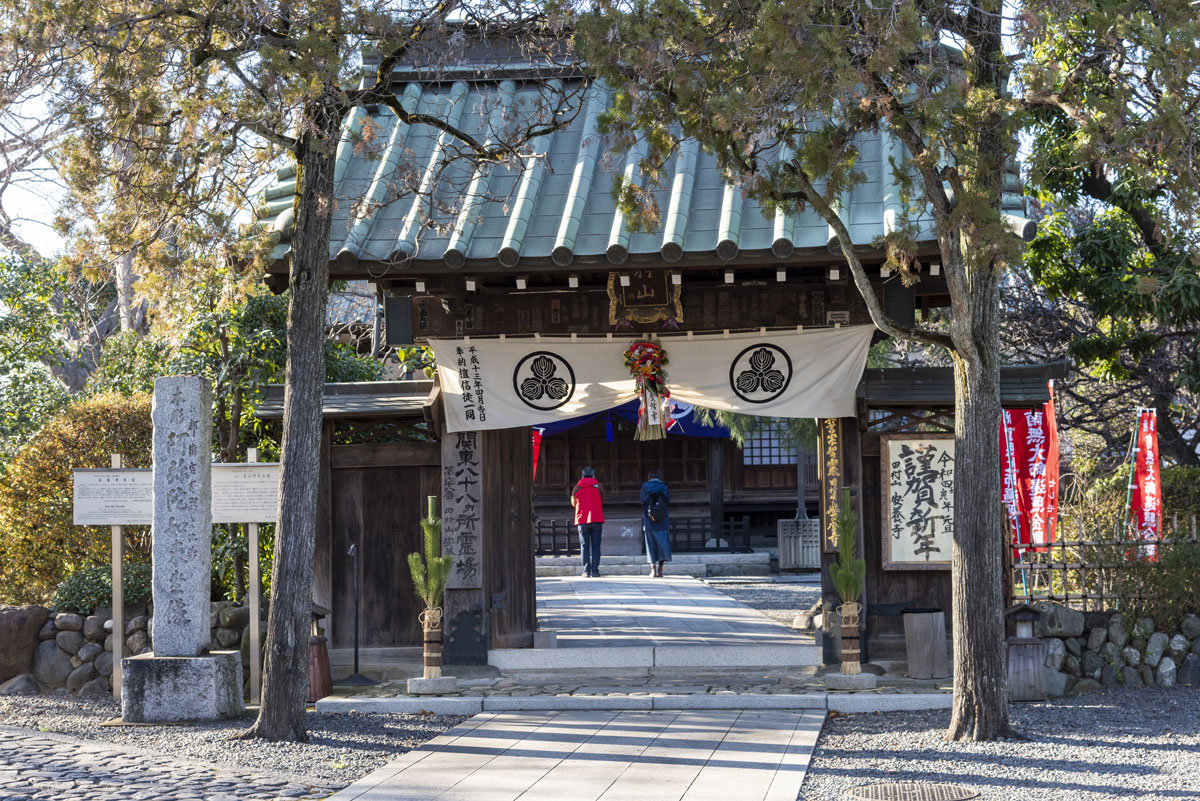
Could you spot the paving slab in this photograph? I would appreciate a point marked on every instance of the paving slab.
(605, 756)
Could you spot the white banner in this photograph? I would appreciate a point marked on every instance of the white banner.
(493, 383)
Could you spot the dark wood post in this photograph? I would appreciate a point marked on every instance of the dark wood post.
(716, 484)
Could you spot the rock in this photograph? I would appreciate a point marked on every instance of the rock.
(135, 642)
(20, 631)
(1189, 671)
(146, 649)
(20, 685)
(1138, 643)
(1143, 628)
(1057, 683)
(1108, 675)
(1117, 634)
(1154, 648)
(69, 641)
(104, 613)
(1071, 666)
(104, 664)
(138, 623)
(93, 628)
(1196, 646)
(68, 621)
(1097, 638)
(1190, 626)
(108, 624)
(1056, 652)
(1111, 653)
(108, 641)
(1057, 620)
(1164, 674)
(1132, 656)
(76, 661)
(1147, 675)
(1178, 646)
(1092, 664)
(96, 688)
(803, 621)
(834, 681)
(89, 651)
(1073, 647)
(80, 676)
(1133, 678)
(49, 631)
(234, 617)
(1085, 686)
(227, 638)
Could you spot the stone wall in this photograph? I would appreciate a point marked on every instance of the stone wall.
(73, 653)
(1086, 652)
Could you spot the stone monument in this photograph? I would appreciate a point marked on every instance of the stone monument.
(181, 679)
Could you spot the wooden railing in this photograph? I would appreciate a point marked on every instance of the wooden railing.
(688, 534)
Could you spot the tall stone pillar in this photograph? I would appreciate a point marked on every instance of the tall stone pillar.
(182, 566)
(181, 680)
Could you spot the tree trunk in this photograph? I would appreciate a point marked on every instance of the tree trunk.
(285, 679)
(1171, 439)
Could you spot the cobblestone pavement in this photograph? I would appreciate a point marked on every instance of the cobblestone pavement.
(39, 765)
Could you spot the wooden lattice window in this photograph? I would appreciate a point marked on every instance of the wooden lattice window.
(771, 444)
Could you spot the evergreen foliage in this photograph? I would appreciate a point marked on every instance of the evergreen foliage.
(849, 572)
(86, 590)
(430, 570)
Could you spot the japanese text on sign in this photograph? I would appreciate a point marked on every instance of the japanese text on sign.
(919, 510)
(831, 480)
(462, 509)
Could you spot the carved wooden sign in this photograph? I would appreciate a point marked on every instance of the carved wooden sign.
(831, 468)
(647, 297)
(918, 501)
(462, 508)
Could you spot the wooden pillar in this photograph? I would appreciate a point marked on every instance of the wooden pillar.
(463, 507)
(716, 483)
(839, 466)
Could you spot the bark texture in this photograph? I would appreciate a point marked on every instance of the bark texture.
(285, 678)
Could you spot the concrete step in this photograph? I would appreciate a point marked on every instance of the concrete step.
(656, 656)
(634, 569)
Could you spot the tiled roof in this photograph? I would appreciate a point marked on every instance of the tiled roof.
(559, 211)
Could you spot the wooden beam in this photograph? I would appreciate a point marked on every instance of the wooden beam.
(392, 454)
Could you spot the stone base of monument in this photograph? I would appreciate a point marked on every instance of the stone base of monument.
(850, 681)
(439, 686)
(166, 689)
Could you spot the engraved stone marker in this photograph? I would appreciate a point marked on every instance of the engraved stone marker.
(182, 565)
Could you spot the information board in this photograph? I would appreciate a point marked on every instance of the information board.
(245, 493)
(114, 497)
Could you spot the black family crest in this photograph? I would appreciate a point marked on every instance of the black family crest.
(544, 380)
(760, 373)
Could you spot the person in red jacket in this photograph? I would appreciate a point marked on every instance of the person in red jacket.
(587, 496)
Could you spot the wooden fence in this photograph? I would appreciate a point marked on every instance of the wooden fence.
(1093, 569)
(560, 538)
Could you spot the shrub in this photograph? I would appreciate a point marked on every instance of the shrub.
(39, 544)
(1170, 587)
(86, 590)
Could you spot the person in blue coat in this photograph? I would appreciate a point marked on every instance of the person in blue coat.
(655, 522)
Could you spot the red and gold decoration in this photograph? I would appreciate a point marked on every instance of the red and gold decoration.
(646, 361)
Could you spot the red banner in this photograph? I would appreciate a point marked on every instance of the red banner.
(537, 450)
(1029, 471)
(1147, 494)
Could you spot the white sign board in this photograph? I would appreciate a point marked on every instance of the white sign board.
(918, 508)
(112, 497)
(245, 493)
(241, 493)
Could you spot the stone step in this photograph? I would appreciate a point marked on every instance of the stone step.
(656, 656)
(634, 569)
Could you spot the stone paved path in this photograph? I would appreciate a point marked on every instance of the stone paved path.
(605, 756)
(36, 765)
(641, 611)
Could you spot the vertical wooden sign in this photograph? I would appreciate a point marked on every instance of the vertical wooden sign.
(832, 472)
(462, 508)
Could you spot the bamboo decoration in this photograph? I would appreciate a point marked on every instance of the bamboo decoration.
(429, 577)
(848, 575)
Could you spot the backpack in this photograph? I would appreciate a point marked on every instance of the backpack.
(656, 508)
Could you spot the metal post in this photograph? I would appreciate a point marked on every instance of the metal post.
(355, 679)
(118, 597)
(255, 605)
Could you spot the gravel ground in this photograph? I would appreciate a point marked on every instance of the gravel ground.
(1120, 743)
(340, 748)
(780, 602)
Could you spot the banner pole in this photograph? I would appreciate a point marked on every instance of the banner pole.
(1129, 484)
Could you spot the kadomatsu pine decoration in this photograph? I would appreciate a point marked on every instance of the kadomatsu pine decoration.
(646, 361)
